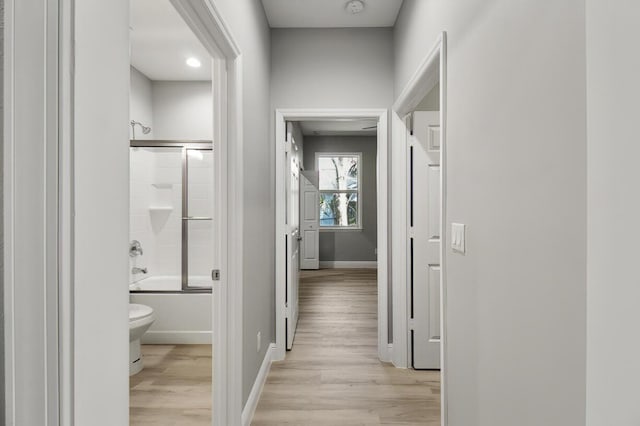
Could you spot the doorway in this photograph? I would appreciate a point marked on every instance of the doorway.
(288, 227)
(420, 225)
(82, 193)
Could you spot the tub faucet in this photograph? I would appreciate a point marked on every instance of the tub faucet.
(136, 270)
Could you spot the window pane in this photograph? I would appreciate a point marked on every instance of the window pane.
(338, 209)
(338, 172)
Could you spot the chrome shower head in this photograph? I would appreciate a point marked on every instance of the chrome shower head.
(145, 129)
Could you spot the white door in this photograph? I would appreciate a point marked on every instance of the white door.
(293, 162)
(424, 239)
(309, 220)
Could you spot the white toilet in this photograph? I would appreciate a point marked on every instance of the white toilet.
(140, 319)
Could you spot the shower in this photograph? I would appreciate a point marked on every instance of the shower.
(145, 129)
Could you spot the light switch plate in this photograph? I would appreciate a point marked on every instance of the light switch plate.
(458, 237)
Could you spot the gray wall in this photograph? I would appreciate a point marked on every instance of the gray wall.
(182, 109)
(332, 68)
(173, 109)
(248, 24)
(516, 157)
(613, 90)
(349, 245)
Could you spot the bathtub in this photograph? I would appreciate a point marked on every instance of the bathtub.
(180, 318)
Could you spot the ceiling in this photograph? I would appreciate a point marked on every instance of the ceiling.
(329, 13)
(338, 128)
(161, 42)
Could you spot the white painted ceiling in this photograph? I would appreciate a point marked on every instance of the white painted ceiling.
(338, 128)
(161, 42)
(329, 13)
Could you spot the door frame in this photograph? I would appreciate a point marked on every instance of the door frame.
(205, 20)
(380, 115)
(48, 332)
(432, 70)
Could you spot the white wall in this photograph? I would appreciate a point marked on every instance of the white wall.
(516, 176)
(613, 90)
(182, 110)
(141, 103)
(332, 68)
(248, 24)
(101, 321)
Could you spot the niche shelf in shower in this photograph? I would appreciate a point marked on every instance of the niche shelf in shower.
(162, 185)
(160, 208)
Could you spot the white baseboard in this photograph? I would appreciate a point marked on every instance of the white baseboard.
(356, 264)
(176, 338)
(256, 390)
(387, 353)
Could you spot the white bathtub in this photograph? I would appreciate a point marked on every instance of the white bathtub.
(180, 318)
(168, 283)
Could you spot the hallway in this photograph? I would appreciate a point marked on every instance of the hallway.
(333, 375)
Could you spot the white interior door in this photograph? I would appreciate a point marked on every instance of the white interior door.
(293, 162)
(424, 239)
(309, 220)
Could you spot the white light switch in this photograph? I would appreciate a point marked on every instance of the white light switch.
(457, 237)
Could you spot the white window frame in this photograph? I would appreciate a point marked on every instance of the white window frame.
(358, 226)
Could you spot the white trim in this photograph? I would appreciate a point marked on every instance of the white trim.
(431, 71)
(207, 23)
(179, 337)
(284, 115)
(31, 204)
(390, 351)
(258, 385)
(348, 264)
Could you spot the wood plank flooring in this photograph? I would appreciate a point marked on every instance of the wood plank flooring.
(333, 376)
(174, 388)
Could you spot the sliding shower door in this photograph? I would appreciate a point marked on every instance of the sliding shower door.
(171, 226)
(197, 221)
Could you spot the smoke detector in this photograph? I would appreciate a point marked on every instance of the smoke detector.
(354, 7)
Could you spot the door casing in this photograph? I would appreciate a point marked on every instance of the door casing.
(432, 69)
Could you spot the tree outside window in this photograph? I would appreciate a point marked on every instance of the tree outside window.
(339, 190)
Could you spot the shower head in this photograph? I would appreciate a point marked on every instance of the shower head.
(145, 129)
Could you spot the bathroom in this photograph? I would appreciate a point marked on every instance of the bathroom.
(171, 247)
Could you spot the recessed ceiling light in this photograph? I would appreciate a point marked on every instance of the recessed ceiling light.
(194, 62)
(355, 6)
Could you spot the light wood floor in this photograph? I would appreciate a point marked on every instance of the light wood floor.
(174, 388)
(333, 376)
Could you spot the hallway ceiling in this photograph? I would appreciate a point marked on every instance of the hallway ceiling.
(329, 13)
(161, 42)
(338, 128)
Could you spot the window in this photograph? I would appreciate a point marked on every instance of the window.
(339, 190)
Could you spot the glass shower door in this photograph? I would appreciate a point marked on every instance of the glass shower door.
(198, 219)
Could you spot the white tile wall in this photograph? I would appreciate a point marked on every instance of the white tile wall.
(156, 209)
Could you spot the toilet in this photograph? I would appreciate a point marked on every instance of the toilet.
(140, 319)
